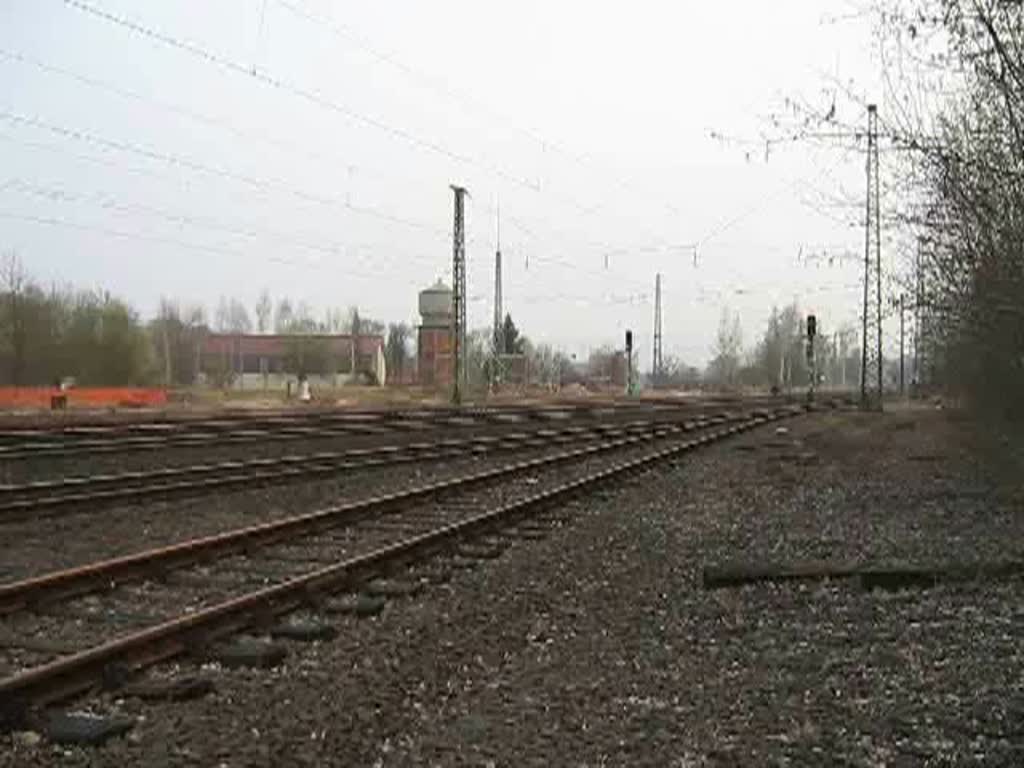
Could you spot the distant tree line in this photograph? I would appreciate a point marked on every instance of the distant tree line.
(951, 135)
(46, 334)
(96, 339)
(55, 333)
(962, 178)
(779, 357)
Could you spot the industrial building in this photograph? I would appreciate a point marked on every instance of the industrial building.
(277, 361)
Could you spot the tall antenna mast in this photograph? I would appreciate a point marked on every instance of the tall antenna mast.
(499, 312)
(498, 332)
(658, 363)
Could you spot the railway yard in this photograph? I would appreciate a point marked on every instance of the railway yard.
(651, 582)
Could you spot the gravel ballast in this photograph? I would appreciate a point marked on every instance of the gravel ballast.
(597, 645)
(73, 536)
(217, 449)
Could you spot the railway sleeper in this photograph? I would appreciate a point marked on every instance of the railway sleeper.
(157, 643)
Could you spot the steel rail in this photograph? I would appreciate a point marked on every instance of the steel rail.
(79, 671)
(108, 573)
(18, 444)
(77, 427)
(283, 417)
(24, 500)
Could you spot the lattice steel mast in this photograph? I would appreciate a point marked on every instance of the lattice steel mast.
(871, 331)
(498, 333)
(458, 296)
(658, 370)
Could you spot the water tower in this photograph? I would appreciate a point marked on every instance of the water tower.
(434, 340)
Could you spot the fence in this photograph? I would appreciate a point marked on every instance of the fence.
(85, 397)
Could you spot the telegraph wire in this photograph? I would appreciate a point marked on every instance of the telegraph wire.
(223, 62)
(66, 133)
(180, 161)
(306, 94)
(345, 31)
(244, 229)
(318, 99)
(221, 123)
(546, 259)
(222, 250)
(217, 250)
(311, 96)
(182, 111)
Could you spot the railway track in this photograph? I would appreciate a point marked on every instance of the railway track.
(35, 499)
(75, 580)
(166, 602)
(95, 439)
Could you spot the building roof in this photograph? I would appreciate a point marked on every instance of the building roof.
(276, 344)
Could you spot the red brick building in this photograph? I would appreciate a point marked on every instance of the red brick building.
(272, 361)
(434, 361)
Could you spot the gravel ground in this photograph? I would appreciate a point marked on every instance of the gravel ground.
(596, 645)
(78, 624)
(55, 467)
(69, 538)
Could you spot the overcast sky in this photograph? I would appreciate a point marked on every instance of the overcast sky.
(194, 149)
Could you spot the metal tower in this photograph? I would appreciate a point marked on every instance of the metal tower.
(658, 363)
(920, 342)
(498, 332)
(871, 331)
(499, 312)
(458, 296)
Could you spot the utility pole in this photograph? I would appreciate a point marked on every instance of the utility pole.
(835, 376)
(812, 369)
(919, 342)
(841, 346)
(458, 334)
(498, 333)
(871, 330)
(658, 363)
(838, 366)
(903, 386)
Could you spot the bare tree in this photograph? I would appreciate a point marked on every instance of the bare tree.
(13, 280)
(238, 317)
(167, 314)
(355, 330)
(178, 335)
(547, 365)
(284, 316)
(221, 317)
(678, 374)
(955, 110)
(264, 308)
(726, 352)
(396, 349)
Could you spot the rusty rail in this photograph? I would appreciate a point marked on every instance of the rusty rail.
(79, 671)
(16, 444)
(107, 574)
(29, 500)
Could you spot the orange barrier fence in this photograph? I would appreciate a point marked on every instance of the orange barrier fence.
(88, 397)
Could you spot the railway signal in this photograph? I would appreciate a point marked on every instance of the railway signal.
(629, 362)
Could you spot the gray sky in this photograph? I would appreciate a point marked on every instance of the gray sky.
(132, 163)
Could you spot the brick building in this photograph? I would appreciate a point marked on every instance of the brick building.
(434, 360)
(275, 361)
